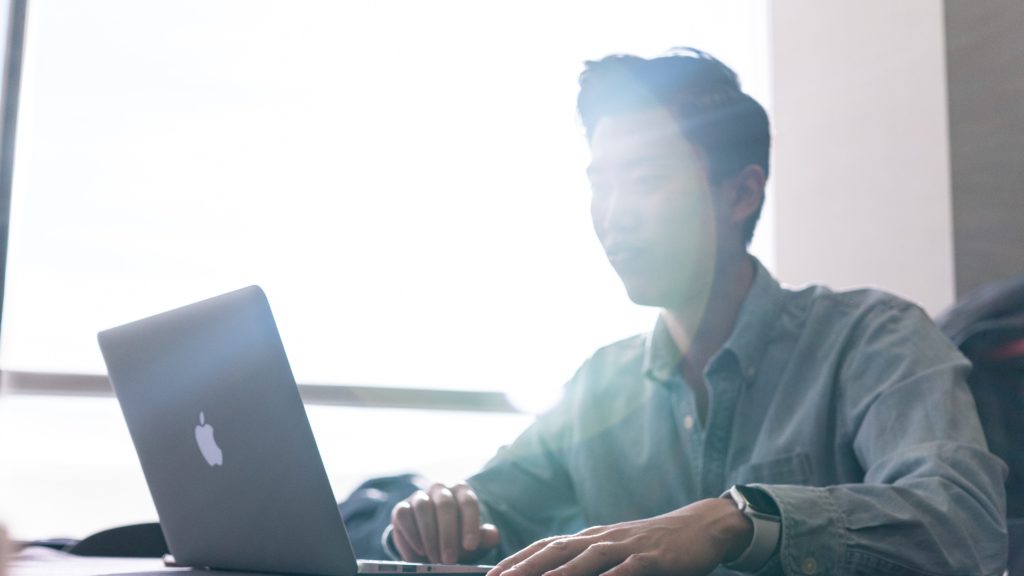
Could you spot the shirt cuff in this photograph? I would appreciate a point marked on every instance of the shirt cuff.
(388, 544)
(813, 537)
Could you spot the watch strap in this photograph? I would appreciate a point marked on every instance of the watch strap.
(767, 529)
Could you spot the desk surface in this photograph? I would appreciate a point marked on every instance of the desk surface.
(40, 561)
(44, 561)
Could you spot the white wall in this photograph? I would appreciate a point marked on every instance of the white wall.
(861, 155)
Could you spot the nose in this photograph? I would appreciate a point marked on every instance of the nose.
(615, 211)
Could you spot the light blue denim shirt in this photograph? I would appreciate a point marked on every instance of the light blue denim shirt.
(850, 409)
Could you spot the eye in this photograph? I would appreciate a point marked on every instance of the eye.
(649, 181)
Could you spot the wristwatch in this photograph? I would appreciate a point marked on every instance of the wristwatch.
(764, 514)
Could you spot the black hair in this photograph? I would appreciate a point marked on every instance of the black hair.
(700, 92)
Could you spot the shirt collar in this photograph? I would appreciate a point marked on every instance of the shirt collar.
(750, 336)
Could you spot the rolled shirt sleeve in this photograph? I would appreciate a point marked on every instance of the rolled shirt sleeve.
(932, 499)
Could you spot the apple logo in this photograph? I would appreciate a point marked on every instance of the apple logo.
(207, 445)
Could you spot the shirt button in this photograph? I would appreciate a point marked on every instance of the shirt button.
(750, 373)
(688, 422)
(809, 565)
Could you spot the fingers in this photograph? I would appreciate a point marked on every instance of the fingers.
(403, 522)
(594, 531)
(469, 515)
(426, 524)
(635, 565)
(447, 524)
(489, 537)
(567, 556)
(405, 548)
(441, 525)
(522, 555)
(595, 559)
(554, 554)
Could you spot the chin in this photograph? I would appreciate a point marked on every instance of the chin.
(646, 295)
(664, 294)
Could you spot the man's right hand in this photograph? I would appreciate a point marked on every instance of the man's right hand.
(441, 525)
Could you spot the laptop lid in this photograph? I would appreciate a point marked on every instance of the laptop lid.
(222, 435)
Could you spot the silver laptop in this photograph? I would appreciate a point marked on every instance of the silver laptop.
(225, 445)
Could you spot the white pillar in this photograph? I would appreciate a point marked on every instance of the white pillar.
(861, 152)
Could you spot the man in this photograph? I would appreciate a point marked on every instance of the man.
(842, 419)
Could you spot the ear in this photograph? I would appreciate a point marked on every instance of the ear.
(745, 193)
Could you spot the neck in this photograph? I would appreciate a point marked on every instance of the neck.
(702, 330)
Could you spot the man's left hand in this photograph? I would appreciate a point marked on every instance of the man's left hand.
(692, 540)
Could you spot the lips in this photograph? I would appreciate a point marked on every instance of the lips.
(624, 254)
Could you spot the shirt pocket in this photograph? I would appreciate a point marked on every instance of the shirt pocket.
(789, 469)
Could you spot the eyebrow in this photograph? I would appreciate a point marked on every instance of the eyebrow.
(646, 161)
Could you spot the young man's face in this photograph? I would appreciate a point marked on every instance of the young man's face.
(652, 208)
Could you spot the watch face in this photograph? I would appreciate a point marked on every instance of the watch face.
(759, 500)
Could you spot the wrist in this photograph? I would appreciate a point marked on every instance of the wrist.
(762, 513)
(737, 530)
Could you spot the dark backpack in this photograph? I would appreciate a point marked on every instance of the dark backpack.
(988, 326)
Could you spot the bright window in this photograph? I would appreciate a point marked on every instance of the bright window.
(405, 180)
